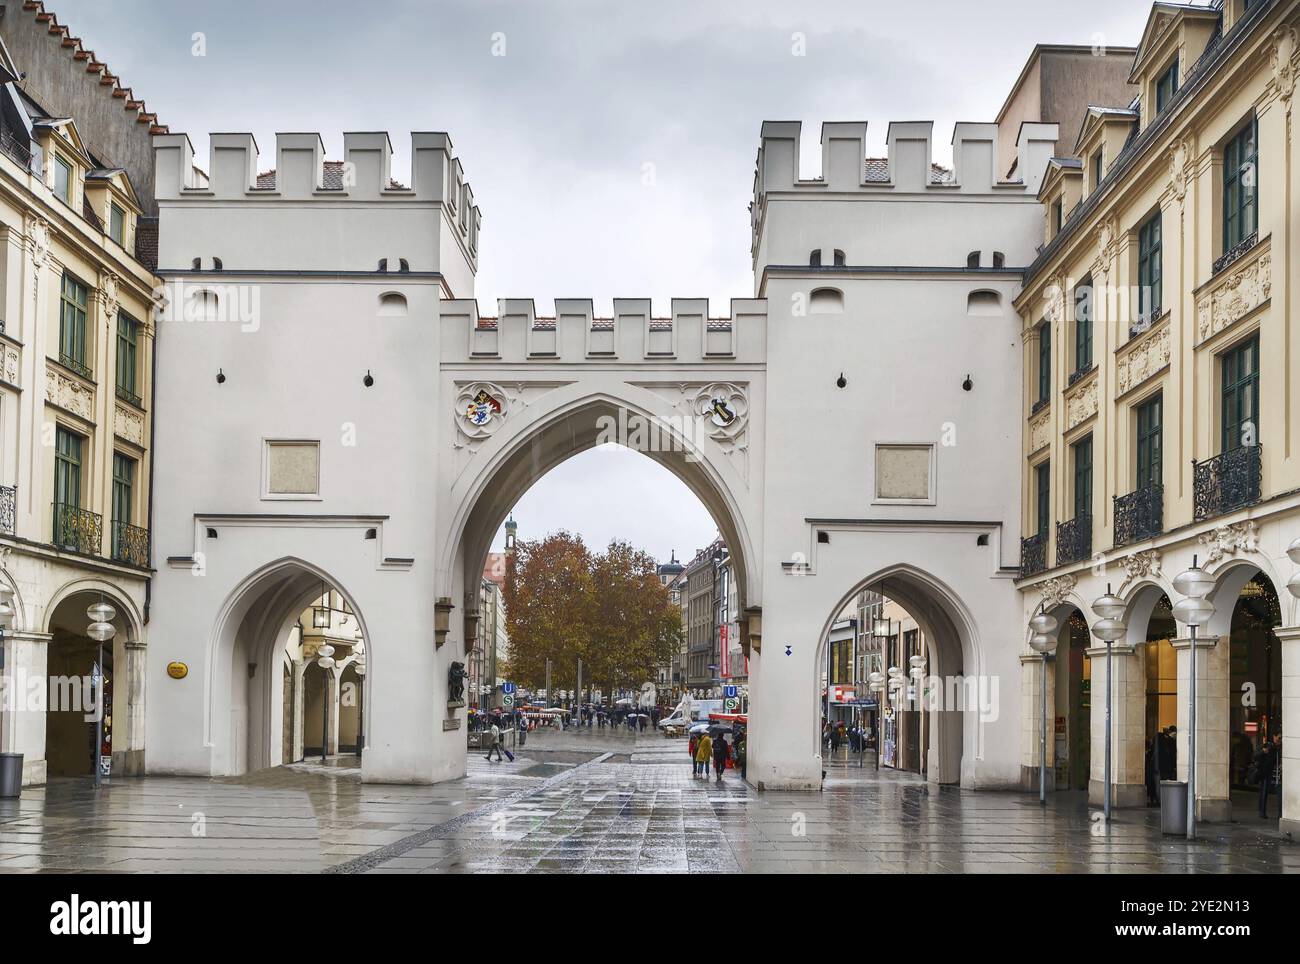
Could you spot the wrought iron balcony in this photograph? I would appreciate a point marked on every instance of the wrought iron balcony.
(128, 396)
(77, 529)
(1235, 252)
(1227, 482)
(17, 147)
(1074, 539)
(1139, 515)
(8, 507)
(1033, 555)
(67, 361)
(1079, 373)
(131, 544)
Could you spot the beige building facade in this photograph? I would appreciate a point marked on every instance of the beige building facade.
(1159, 424)
(76, 362)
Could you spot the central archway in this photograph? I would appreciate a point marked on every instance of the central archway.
(573, 421)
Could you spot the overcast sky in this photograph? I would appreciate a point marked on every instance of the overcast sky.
(610, 145)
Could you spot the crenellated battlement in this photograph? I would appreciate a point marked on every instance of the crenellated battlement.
(299, 193)
(908, 166)
(632, 332)
(301, 171)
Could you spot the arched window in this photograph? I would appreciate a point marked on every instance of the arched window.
(216, 264)
(392, 304)
(999, 259)
(983, 302)
(815, 258)
(383, 264)
(826, 301)
(403, 265)
(839, 258)
(204, 305)
(973, 259)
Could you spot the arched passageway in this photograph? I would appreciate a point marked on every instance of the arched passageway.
(284, 704)
(920, 723)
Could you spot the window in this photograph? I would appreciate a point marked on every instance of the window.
(1082, 451)
(1149, 270)
(1240, 186)
(1150, 415)
(1241, 395)
(1167, 86)
(67, 487)
(1058, 216)
(1044, 362)
(839, 258)
(815, 258)
(1043, 490)
(973, 259)
(62, 180)
(1095, 164)
(128, 337)
(1083, 325)
(72, 325)
(123, 487)
(117, 224)
(999, 259)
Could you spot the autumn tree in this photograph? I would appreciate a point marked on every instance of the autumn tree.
(563, 602)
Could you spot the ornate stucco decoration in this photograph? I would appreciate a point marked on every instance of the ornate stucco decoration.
(1180, 159)
(1040, 430)
(69, 394)
(129, 424)
(108, 296)
(1056, 590)
(1142, 358)
(1241, 292)
(1229, 540)
(1106, 238)
(1140, 565)
(1081, 403)
(11, 364)
(1283, 62)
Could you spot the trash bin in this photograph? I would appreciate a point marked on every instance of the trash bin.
(11, 774)
(1173, 807)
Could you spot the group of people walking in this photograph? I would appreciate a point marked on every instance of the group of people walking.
(705, 749)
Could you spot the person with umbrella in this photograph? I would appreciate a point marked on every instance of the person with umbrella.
(721, 752)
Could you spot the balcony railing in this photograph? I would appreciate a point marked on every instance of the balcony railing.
(18, 148)
(128, 396)
(76, 365)
(1227, 482)
(1235, 252)
(1139, 515)
(1033, 555)
(131, 544)
(77, 529)
(8, 507)
(1074, 540)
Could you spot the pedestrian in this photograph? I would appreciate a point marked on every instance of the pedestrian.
(1267, 763)
(742, 754)
(720, 754)
(523, 729)
(703, 752)
(640, 721)
(691, 746)
(835, 739)
(494, 742)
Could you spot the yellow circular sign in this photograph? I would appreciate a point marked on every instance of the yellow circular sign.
(177, 670)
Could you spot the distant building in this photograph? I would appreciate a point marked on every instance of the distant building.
(669, 675)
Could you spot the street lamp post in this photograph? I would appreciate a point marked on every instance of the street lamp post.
(1194, 610)
(101, 630)
(325, 660)
(1043, 642)
(1108, 628)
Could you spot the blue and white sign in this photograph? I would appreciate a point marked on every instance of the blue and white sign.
(507, 688)
(730, 692)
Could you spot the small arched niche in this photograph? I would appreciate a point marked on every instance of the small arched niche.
(204, 305)
(984, 301)
(392, 304)
(826, 301)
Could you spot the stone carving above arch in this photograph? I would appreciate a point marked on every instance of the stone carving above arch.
(1140, 565)
(1056, 590)
(480, 410)
(1229, 540)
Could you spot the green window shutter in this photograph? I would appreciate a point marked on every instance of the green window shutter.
(1083, 477)
(1240, 405)
(1042, 480)
(1150, 416)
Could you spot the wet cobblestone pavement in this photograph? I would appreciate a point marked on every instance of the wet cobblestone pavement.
(590, 802)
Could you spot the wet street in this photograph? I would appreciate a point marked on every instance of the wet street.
(586, 801)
